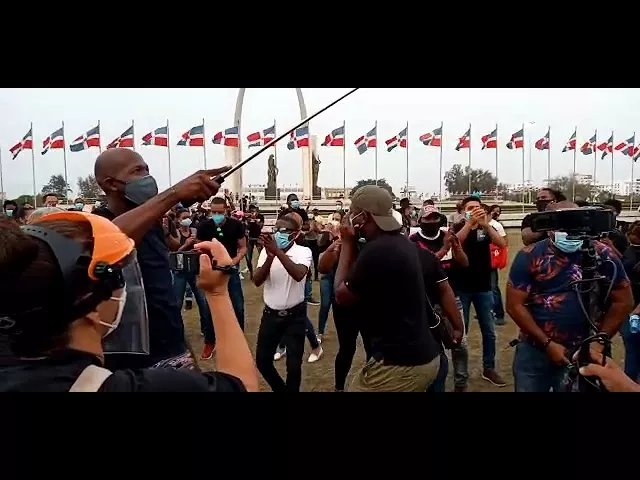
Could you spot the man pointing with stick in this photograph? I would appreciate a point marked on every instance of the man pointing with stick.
(136, 207)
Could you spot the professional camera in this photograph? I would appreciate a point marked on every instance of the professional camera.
(577, 222)
(587, 224)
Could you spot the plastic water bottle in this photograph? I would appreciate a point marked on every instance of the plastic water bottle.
(634, 323)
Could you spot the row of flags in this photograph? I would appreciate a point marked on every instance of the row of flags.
(299, 138)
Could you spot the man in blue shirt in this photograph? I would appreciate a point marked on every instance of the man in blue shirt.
(547, 310)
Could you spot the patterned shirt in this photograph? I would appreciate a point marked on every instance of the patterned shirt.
(545, 272)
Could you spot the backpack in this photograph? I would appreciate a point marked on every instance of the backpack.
(91, 379)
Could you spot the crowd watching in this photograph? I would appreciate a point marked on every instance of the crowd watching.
(92, 299)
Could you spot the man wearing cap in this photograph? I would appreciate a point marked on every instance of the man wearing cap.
(386, 281)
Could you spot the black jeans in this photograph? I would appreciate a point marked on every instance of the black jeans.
(292, 329)
(348, 326)
(252, 243)
(315, 254)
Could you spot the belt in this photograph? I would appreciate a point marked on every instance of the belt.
(286, 312)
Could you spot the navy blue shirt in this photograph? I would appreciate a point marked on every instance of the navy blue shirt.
(166, 330)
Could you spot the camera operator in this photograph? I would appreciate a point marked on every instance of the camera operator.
(386, 281)
(548, 312)
(87, 279)
(544, 197)
(630, 336)
(134, 205)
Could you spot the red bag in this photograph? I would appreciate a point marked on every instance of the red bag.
(499, 257)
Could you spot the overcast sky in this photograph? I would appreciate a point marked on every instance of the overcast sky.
(423, 108)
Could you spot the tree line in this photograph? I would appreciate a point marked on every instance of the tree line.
(88, 188)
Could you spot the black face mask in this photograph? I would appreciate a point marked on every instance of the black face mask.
(140, 190)
(541, 205)
(430, 229)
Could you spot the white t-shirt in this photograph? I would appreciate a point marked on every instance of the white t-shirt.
(498, 227)
(281, 291)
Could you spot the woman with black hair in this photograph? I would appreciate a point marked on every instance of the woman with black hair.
(69, 286)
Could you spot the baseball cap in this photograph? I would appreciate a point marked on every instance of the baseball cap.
(378, 202)
(427, 211)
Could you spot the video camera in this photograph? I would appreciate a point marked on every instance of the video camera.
(582, 222)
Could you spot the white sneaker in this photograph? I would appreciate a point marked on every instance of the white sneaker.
(279, 354)
(313, 358)
(241, 276)
(246, 269)
(319, 338)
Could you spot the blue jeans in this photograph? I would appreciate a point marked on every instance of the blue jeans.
(182, 280)
(533, 371)
(438, 385)
(326, 299)
(631, 352)
(237, 302)
(188, 292)
(498, 308)
(483, 303)
(307, 287)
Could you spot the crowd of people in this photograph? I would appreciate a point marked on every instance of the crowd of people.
(106, 312)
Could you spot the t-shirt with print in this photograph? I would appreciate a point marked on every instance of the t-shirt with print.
(281, 291)
(545, 272)
(477, 276)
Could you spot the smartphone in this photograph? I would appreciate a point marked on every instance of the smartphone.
(194, 231)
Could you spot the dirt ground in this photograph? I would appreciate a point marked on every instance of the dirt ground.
(318, 377)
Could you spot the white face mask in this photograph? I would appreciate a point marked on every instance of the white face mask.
(122, 300)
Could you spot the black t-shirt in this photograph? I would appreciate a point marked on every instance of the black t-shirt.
(253, 225)
(432, 274)
(477, 276)
(300, 211)
(166, 330)
(387, 279)
(631, 262)
(619, 240)
(182, 238)
(227, 234)
(58, 374)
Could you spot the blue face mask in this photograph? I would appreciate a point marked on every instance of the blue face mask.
(217, 218)
(295, 203)
(9, 213)
(186, 222)
(282, 240)
(564, 244)
(467, 216)
(79, 206)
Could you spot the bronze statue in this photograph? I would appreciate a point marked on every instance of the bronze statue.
(315, 170)
(272, 178)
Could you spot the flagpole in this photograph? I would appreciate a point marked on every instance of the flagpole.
(344, 157)
(33, 168)
(133, 135)
(407, 149)
(169, 153)
(64, 159)
(633, 182)
(469, 175)
(595, 161)
(376, 157)
(441, 138)
(204, 145)
(523, 166)
(612, 150)
(99, 138)
(2, 179)
(549, 158)
(575, 153)
(496, 159)
(275, 158)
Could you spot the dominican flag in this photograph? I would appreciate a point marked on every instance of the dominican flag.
(261, 138)
(517, 140)
(628, 146)
(589, 146)
(491, 140)
(432, 139)
(636, 154)
(299, 138)
(543, 143)
(606, 147)
(228, 138)
(399, 140)
(335, 138)
(25, 144)
(159, 137)
(464, 141)
(125, 140)
(370, 140)
(88, 140)
(55, 140)
(193, 137)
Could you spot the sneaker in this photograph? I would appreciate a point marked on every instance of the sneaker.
(188, 304)
(312, 301)
(245, 270)
(208, 351)
(241, 276)
(460, 389)
(500, 321)
(494, 377)
(316, 355)
(280, 354)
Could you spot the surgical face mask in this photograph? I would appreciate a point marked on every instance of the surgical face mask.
(541, 205)
(9, 213)
(566, 245)
(79, 206)
(140, 190)
(282, 240)
(122, 300)
(186, 222)
(295, 203)
(335, 223)
(467, 216)
(217, 218)
(361, 239)
(338, 208)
